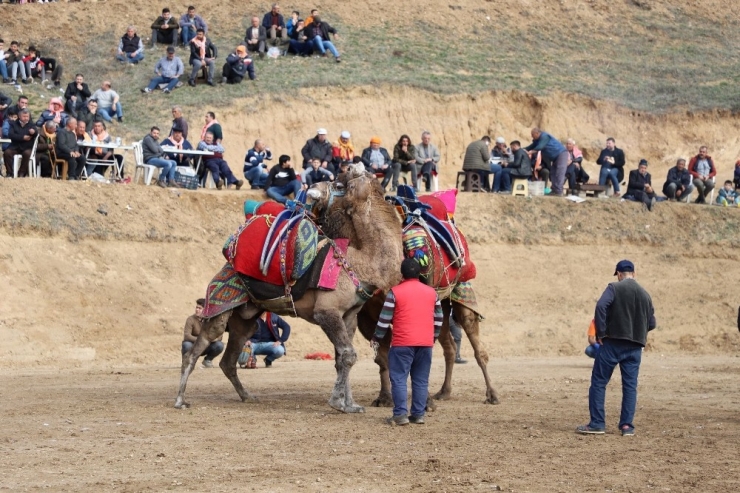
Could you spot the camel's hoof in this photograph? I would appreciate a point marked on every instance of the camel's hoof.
(431, 405)
(442, 396)
(250, 398)
(343, 407)
(354, 408)
(182, 405)
(492, 398)
(382, 401)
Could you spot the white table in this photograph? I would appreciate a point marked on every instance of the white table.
(189, 152)
(4, 141)
(117, 168)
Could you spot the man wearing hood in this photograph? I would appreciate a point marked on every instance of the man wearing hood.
(55, 113)
(238, 64)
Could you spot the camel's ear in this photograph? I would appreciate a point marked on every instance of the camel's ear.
(314, 193)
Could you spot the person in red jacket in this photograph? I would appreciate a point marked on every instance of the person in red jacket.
(702, 171)
(416, 314)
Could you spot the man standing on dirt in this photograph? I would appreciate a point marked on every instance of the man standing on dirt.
(553, 152)
(416, 314)
(624, 316)
(193, 326)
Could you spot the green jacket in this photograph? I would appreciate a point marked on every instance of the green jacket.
(477, 156)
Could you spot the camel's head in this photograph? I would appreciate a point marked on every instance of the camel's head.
(322, 195)
(360, 192)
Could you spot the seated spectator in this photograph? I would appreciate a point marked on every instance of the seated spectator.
(82, 134)
(702, 171)
(255, 166)
(193, 328)
(22, 104)
(319, 33)
(100, 135)
(678, 182)
(316, 174)
(14, 62)
(574, 173)
(256, 37)
(154, 154)
(309, 19)
(427, 156)
(274, 25)
(521, 165)
(477, 158)
(238, 64)
(45, 152)
(736, 176)
(500, 158)
(3, 63)
(89, 114)
(269, 339)
(130, 47)
(282, 181)
(68, 149)
(219, 168)
(5, 101)
(168, 70)
(377, 160)
(342, 149)
(640, 185)
(22, 134)
(320, 148)
(54, 113)
(611, 161)
(212, 126)
(178, 141)
(404, 156)
(344, 165)
(203, 53)
(299, 42)
(165, 29)
(76, 94)
(109, 103)
(292, 22)
(728, 195)
(189, 23)
(11, 115)
(38, 66)
(179, 121)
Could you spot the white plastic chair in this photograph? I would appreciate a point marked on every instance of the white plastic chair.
(33, 172)
(147, 169)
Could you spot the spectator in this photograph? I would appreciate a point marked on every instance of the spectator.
(377, 160)
(109, 103)
(318, 33)
(45, 153)
(238, 64)
(202, 53)
(309, 19)
(76, 94)
(282, 181)
(342, 149)
(193, 328)
(5, 102)
(82, 134)
(154, 154)
(165, 29)
(219, 168)
(500, 158)
(130, 47)
(254, 164)
(575, 173)
(11, 115)
(178, 141)
(22, 104)
(427, 157)
(3, 63)
(640, 185)
(256, 37)
(274, 25)
(89, 114)
(736, 176)
(554, 153)
(316, 174)
(703, 171)
(168, 70)
(38, 66)
(611, 161)
(477, 158)
(404, 157)
(51, 65)
(728, 195)
(22, 134)
(299, 42)
(54, 113)
(678, 182)
(318, 147)
(212, 126)
(269, 339)
(14, 61)
(68, 149)
(521, 165)
(189, 23)
(178, 121)
(100, 135)
(292, 22)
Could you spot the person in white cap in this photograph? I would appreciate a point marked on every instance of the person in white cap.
(318, 148)
(501, 157)
(342, 149)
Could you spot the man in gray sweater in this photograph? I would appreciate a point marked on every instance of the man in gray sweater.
(154, 154)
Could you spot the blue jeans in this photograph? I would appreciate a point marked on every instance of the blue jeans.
(4, 69)
(402, 362)
(322, 45)
(608, 173)
(256, 176)
(187, 33)
(496, 170)
(214, 349)
(614, 352)
(168, 168)
(110, 112)
(220, 169)
(301, 48)
(269, 349)
(280, 194)
(170, 81)
(126, 58)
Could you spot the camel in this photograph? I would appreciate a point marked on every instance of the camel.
(378, 228)
(370, 312)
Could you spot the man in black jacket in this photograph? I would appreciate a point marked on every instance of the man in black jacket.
(165, 29)
(22, 136)
(318, 33)
(238, 64)
(256, 37)
(318, 147)
(678, 184)
(624, 316)
(282, 181)
(90, 114)
(640, 185)
(611, 161)
(77, 94)
(521, 166)
(68, 149)
(202, 53)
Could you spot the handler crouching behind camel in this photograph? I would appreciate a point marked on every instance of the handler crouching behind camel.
(193, 326)
(416, 314)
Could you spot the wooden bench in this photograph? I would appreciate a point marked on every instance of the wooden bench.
(590, 188)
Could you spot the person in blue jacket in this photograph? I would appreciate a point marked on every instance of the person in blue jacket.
(553, 152)
(269, 339)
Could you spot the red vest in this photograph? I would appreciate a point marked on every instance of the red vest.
(413, 317)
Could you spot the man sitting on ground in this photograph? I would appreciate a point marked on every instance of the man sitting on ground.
(154, 154)
(428, 157)
(255, 166)
(130, 48)
(238, 64)
(574, 172)
(640, 185)
(22, 134)
(165, 29)
(193, 328)
(38, 66)
(274, 25)
(319, 33)
(178, 141)
(14, 62)
(316, 174)
(477, 158)
(89, 114)
(68, 149)
(282, 181)
(678, 182)
(219, 168)
(702, 171)
(189, 23)
(269, 339)
(377, 160)
(299, 42)
(256, 37)
(318, 147)
(109, 103)
(203, 53)
(168, 70)
(76, 94)
(521, 166)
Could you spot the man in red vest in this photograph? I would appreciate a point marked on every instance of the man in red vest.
(416, 314)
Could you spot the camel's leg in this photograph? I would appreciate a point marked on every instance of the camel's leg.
(212, 330)
(350, 325)
(448, 347)
(239, 331)
(367, 319)
(469, 321)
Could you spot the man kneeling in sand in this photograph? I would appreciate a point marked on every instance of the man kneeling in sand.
(193, 326)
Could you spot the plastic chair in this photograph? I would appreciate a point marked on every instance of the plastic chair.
(520, 186)
(147, 169)
(33, 172)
